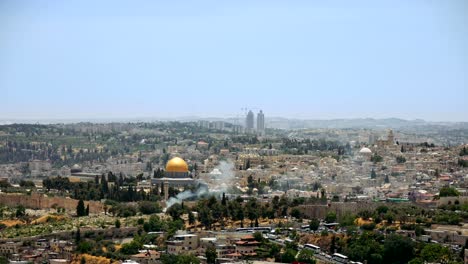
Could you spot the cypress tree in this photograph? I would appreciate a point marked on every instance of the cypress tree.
(80, 209)
(78, 236)
(191, 218)
(223, 201)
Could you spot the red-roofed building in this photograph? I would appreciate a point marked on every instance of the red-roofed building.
(445, 177)
(234, 255)
(202, 145)
(247, 246)
(147, 257)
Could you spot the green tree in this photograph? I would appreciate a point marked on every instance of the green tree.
(463, 163)
(288, 256)
(416, 261)
(365, 214)
(389, 217)
(252, 210)
(330, 217)
(333, 244)
(223, 200)
(117, 223)
(20, 211)
(217, 211)
(130, 248)
(448, 191)
(464, 151)
(382, 209)
(191, 218)
(419, 230)
(400, 159)
(306, 256)
(258, 236)
(4, 184)
(175, 211)
(27, 184)
(347, 220)
(398, 249)
(296, 213)
(77, 236)
(314, 224)
(148, 207)
(376, 158)
(179, 259)
(247, 164)
(80, 209)
(274, 251)
(323, 194)
(205, 217)
(85, 246)
(240, 215)
(365, 247)
(104, 185)
(211, 254)
(434, 253)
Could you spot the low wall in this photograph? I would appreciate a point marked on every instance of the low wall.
(320, 211)
(452, 200)
(41, 201)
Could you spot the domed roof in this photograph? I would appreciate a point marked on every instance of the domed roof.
(76, 168)
(216, 171)
(176, 165)
(365, 150)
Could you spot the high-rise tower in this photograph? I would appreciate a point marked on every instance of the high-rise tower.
(249, 122)
(261, 123)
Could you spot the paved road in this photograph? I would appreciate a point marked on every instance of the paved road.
(323, 259)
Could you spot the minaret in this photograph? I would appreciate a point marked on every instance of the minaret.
(166, 190)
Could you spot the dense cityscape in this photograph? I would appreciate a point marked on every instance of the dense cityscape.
(218, 192)
(234, 132)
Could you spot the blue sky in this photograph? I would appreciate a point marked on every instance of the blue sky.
(307, 59)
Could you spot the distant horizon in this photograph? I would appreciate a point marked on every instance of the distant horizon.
(239, 114)
(195, 118)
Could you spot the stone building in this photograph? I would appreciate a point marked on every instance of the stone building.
(183, 243)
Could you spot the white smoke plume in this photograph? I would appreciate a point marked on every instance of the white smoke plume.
(219, 184)
(186, 195)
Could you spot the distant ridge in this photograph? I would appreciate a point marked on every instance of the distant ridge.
(273, 122)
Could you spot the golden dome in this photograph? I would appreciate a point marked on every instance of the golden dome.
(176, 165)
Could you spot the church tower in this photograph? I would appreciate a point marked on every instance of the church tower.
(390, 138)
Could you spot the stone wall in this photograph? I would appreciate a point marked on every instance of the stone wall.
(447, 236)
(320, 211)
(41, 201)
(452, 200)
(108, 233)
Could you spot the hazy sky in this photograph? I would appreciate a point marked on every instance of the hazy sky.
(309, 59)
